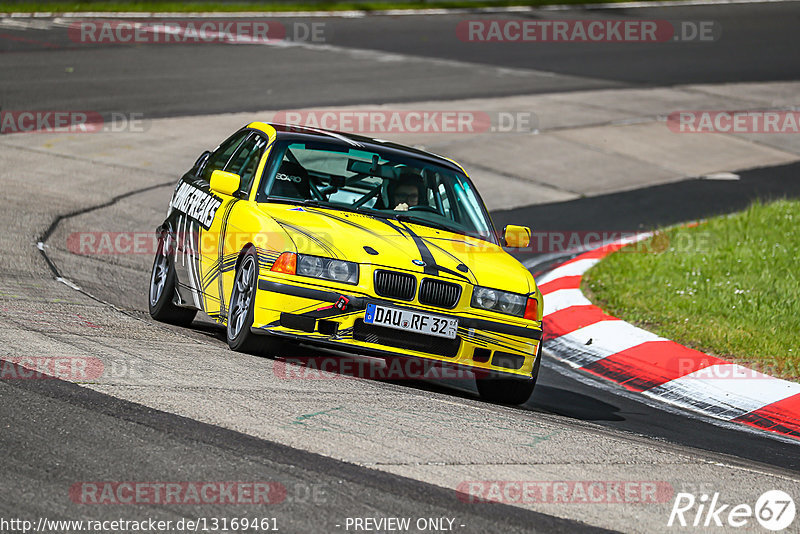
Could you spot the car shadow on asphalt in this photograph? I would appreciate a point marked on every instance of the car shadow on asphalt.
(303, 361)
(572, 404)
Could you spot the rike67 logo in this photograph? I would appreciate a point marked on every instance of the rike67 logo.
(774, 510)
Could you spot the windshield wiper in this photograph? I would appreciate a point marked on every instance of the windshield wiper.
(425, 222)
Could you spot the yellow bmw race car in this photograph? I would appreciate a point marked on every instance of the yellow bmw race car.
(350, 243)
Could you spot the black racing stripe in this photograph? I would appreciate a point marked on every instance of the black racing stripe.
(212, 299)
(356, 225)
(327, 247)
(268, 254)
(455, 258)
(330, 313)
(266, 258)
(221, 255)
(431, 267)
(327, 312)
(394, 227)
(309, 293)
(210, 280)
(216, 269)
(195, 276)
(489, 341)
(337, 218)
(228, 265)
(210, 275)
(411, 234)
(454, 273)
(504, 336)
(472, 341)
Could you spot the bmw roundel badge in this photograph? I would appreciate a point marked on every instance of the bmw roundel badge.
(418, 262)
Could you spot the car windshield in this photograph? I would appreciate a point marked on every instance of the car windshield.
(369, 181)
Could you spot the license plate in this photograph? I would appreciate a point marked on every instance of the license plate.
(411, 321)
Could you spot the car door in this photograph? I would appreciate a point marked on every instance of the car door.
(233, 227)
(195, 210)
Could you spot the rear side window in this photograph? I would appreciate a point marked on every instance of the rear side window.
(220, 157)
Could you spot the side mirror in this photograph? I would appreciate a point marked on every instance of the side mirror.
(226, 183)
(516, 236)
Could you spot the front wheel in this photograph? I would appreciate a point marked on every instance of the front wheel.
(242, 305)
(162, 289)
(510, 390)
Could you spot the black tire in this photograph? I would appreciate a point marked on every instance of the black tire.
(510, 390)
(242, 305)
(162, 289)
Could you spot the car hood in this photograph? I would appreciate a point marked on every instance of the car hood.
(399, 245)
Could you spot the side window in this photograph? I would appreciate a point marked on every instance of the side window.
(220, 157)
(445, 200)
(245, 160)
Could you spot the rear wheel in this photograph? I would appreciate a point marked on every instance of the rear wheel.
(510, 390)
(242, 305)
(162, 288)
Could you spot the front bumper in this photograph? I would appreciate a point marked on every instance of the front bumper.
(307, 313)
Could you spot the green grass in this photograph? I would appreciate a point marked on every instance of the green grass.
(728, 287)
(288, 5)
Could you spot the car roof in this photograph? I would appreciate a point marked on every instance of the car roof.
(305, 133)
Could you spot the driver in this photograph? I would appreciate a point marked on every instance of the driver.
(407, 191)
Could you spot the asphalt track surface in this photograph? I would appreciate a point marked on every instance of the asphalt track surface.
(94, 436)
(757, 42)
(98, 435)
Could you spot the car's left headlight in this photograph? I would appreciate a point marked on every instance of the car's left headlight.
(342, 271)
(506, 302)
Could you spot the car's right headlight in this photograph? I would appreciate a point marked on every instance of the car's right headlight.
(506, 302)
